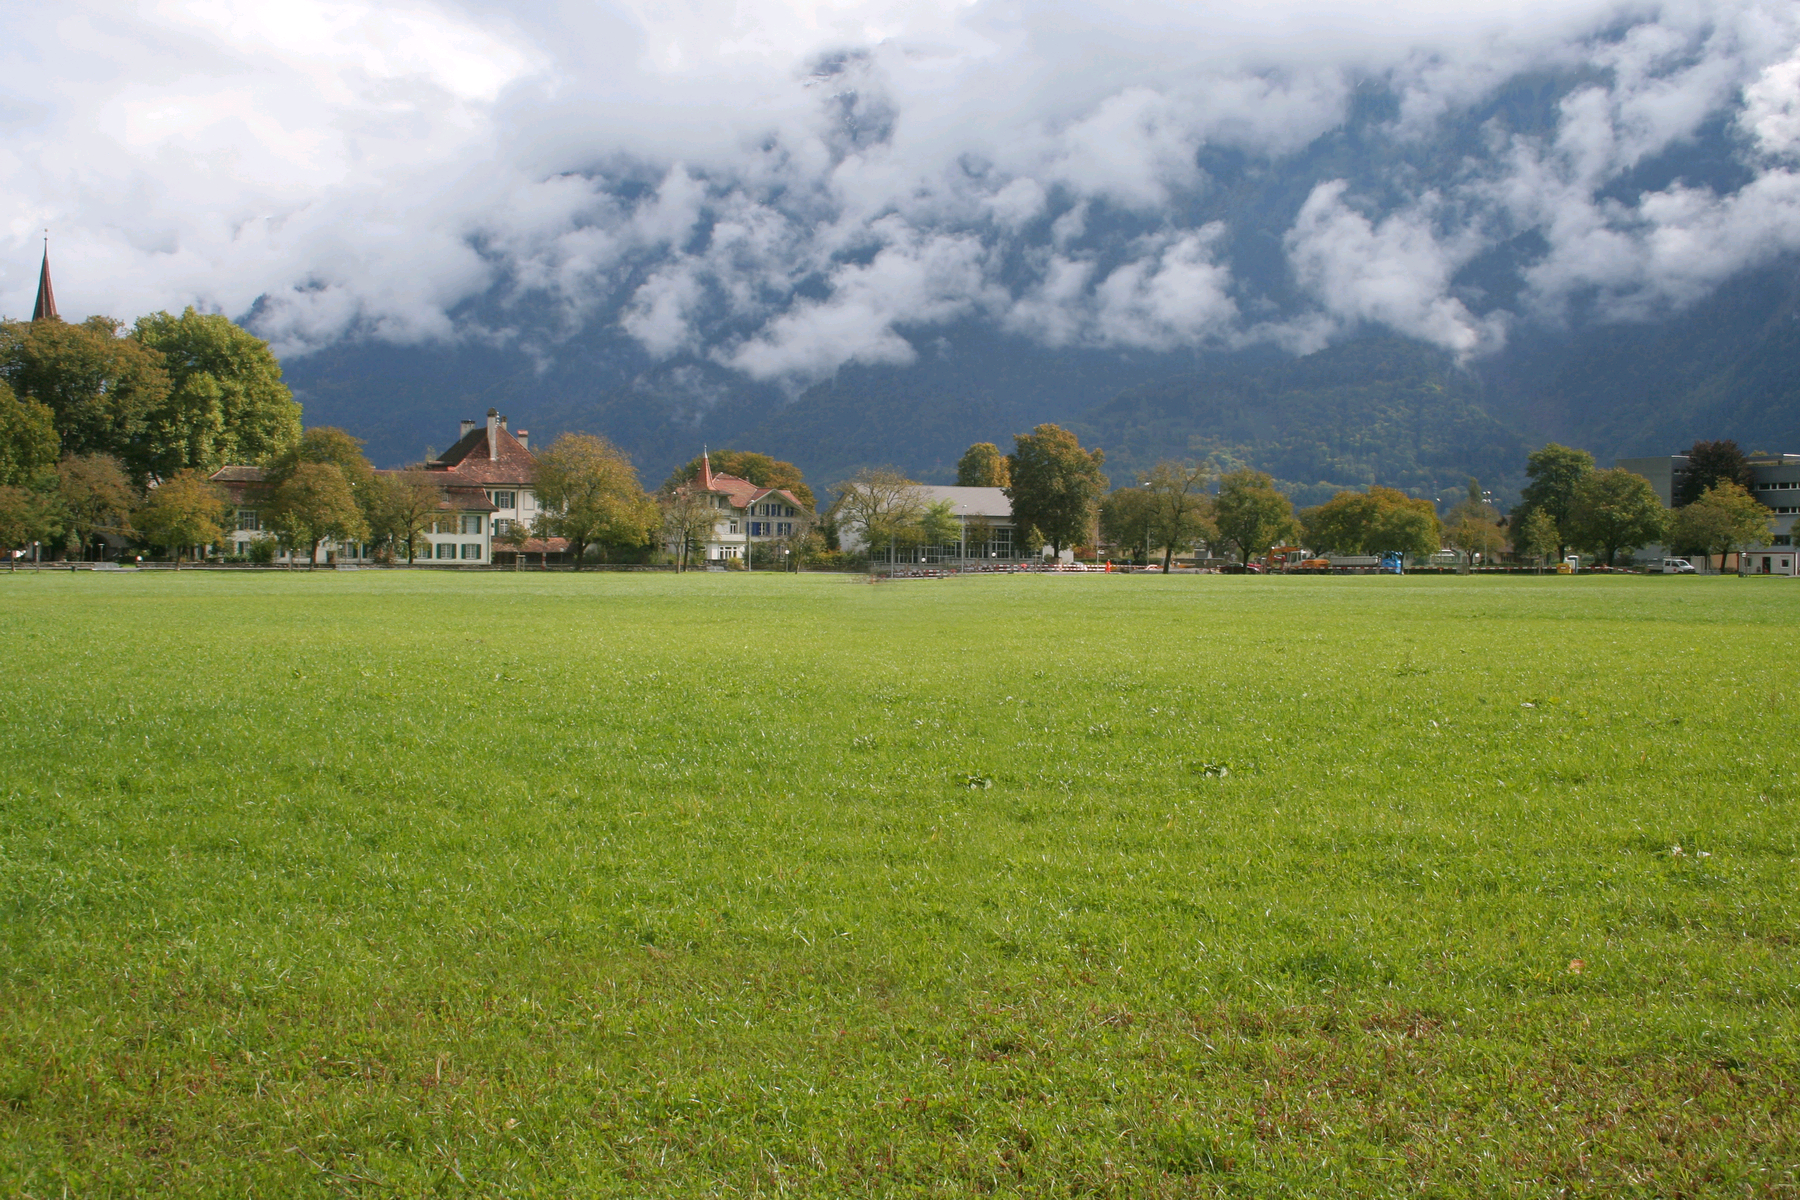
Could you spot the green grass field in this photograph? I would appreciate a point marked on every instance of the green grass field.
(400, 884)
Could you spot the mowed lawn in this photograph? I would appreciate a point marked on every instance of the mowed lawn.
(400, 884)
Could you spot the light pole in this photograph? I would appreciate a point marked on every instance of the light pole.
(962, 538)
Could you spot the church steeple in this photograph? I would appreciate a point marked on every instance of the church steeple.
(46, 300)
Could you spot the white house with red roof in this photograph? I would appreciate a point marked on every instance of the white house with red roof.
(497, 462)
(488, 479)
(749, 514)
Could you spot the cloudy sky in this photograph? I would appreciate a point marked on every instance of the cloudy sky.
(783, 188)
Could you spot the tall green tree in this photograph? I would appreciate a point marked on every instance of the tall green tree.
(95, 494)
(1710, 464)
(590, 495)
(226, 402)
(323, 444)
(1473, 526)
(312, 504)
(1555, 472)
(27, 516)
(29, 445)
(1181, 506)
(938, 524)
(982, 465)
(183, 510)
(760, 469)
(1252, 514)
(1614, 510)
(688, 520)
(401, 505)
(1128, 520)
(1055, 485)
(1725, 518)
(1372, 522)
(878, 507)
(99, 386)
(1535, 536)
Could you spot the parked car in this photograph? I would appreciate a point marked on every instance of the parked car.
(1678, 566)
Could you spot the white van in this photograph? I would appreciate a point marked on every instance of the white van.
(1678, 566)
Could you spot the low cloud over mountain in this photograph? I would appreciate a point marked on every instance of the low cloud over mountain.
(768, 192)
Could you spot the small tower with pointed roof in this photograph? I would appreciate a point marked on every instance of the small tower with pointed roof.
(45, 309)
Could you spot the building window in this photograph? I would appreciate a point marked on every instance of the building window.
(759, 529)
(471, 549)
(504, 499)
(732, 528)
(470, 524)
(446, 550)
(247, 520)
(1000, 542)
(1783, 539)
(243, 549)
(785, 529)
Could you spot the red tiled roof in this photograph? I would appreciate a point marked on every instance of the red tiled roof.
(466, 499)
(506, 464)
(741, 492)
(237, 475)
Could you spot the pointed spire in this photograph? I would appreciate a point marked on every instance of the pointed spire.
(706, 476)
(46, 300)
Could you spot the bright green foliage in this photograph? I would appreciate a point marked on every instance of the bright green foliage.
(1128, 520)
(760, 469)
(29, 446)
(1555, 471)
(226, 402)
(1251, 514)
(878, 508)
(990, 890)
(182, 511)
(590, 495)
(28, 516)
(324, 444)
(99, 386)
(1182, 512)
(1536, 535)
(938, 524)
(94, 493)
(982, 465)
(401, 505)
(312, 504)
(1725, 519)
(1615, 510)
(1473, 526)
(1372, 522)
(1055, 485)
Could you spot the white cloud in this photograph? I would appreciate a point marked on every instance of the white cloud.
(1395, 272)
(785, 187)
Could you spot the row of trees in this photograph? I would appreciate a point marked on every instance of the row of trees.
(167, 394)
(1569, 502)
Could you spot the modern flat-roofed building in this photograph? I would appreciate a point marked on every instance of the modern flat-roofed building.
(985, 527)
(1775, 480)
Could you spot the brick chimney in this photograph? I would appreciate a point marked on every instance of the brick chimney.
(463, 431)
(524, 436)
